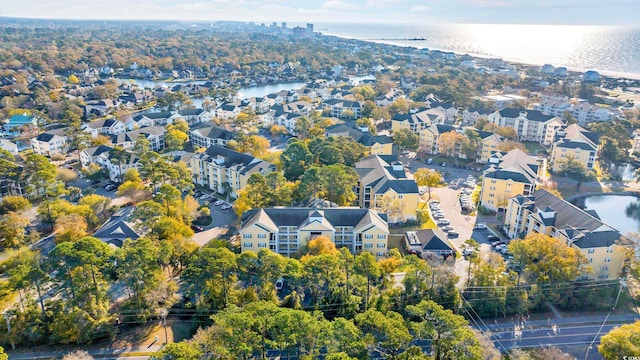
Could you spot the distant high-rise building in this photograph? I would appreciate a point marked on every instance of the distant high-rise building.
(299, 31)
(274, 24)
(284, 25)
(309, 29)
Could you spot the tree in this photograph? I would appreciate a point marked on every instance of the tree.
(392, 206)
(78, 138)
(450, 334)
(70, 227)
(547, 260)
(321, 245)
(210, 277)
(12, 229)
(41, 177)
(623, 341)
(572, 167)
(175, 139)
(66, 175)
(180, 351)
(427, 177)
(509, 145)
(387, 332)
(367, 266)
(400, 106)
(406, 138)
(99, 204)
(338, 183)
(119, 155)
(296, 158)
(14, 203)
(449, 142)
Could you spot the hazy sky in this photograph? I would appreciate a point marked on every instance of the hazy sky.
(614, 12)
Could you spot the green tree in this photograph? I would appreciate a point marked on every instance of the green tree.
(449, 333)
(387, 332)
(400, 106)
(406, 138)
(296, 158)
(572, 167)
(14, 203)
(427, 177)
(210, 277)
(180, 351)
(623, 341)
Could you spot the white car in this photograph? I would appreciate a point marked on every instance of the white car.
(480, 226)
(279, 284)
(218, 203)
(226, 207)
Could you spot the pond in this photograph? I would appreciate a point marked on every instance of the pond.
(622, 212)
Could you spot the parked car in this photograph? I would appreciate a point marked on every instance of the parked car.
(467, 252)
(504, 251)
(480, 226)
(495, 244)
(218, 203)
(197, 228)
(492, 238)
(226, 207)
(447, 228)
(444, 222)
(453, 233)
(279, 284)
(429, 161)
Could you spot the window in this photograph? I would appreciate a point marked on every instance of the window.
(368, 236)
(262, 236)
(609, 250)
(262, 245)
(382, 237)
(591, 251)
(380, 254)
(368, 245)
(246, 236)
(590, 259)
(607, 260)
(247, 245)
(382, 246)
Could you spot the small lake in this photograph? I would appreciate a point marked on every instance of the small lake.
(620, 212)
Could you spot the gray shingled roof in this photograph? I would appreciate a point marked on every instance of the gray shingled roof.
(298, 216)
(533, 115)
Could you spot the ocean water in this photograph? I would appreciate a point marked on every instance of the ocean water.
(611, 50)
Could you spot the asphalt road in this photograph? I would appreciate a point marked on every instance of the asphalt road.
(550, 336)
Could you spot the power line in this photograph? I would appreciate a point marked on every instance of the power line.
(622, 284)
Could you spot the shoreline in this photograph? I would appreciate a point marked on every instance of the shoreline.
(604, 73)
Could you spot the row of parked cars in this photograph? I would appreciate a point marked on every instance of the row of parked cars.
(440, 218)
(208, 197)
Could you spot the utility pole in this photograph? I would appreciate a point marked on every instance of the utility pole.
(623, 284)
(163, 315)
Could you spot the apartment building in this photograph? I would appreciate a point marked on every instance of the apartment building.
(544, 213)
(384, 176)
(531, 125)
(510, 174)
(577, 142)
(287, 231)
(50, 142)
(206, 135)
(226, 171)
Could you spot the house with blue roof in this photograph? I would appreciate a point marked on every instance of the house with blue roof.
(15, 124)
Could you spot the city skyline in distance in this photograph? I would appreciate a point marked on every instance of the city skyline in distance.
(570, 12)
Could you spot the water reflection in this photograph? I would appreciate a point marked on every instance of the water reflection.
(618, 211)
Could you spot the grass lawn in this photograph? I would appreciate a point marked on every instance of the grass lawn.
(534, 148)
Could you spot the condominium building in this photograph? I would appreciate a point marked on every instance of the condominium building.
(226, 171)
(544, 213)
(531, 125)
(510, 174)
(574, 142)
(287, 231)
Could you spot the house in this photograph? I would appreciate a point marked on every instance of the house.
(226, 171)
(299, 107)
(500, 101)
(338, 108)
(205, 135)
(575, 142)
(544, 213)
(417, 120)
(428, 138)
(9, 146)
(104, 127)
(287, 231)
(155, 135)
(450, 111)
(547, 69)
(591, 76)
(513, 173)
(433, 242)
(50, 142)
(381, 182)
(98, 107)
(531, 125)
(386, 99)
(376, 145)
(553, 107)
(288, 120)
(17, 122)
(118, 228)
(95, 155)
